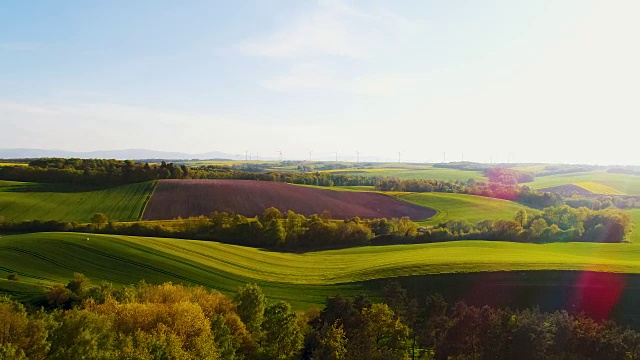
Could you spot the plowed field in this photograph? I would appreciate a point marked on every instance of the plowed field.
(173, 198)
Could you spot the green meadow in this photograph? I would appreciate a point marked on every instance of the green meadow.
(462, 206)
(623, 184)
(43, 259)
(67, 202)
(424, 172)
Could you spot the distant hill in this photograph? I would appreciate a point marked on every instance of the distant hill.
(133, 154)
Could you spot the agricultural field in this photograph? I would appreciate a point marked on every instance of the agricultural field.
(462, 206)
(66, 202)
(42, 259)
(12, 164)
(173, 198)
(635, 219)
(600, 189)
(621, 184)
(424, 172)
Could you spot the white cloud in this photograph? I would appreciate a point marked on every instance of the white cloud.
(317, 77)
(326, 31)
(332, 29)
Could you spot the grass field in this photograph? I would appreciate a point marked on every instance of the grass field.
(45, 258)
(635, 219)
(63, 202)
(463, 206)
(599, 189)
(622, 183)
(425, 172)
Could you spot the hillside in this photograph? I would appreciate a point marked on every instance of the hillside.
(422, 172)
(613, 183)
(305, 279)
(462, 206)
(173, 198)
(67, 202)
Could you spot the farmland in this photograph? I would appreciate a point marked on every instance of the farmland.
(424, 172)
(635, 219)
(67, 202)
(600, 189)
(619, 183)
(461, 206)
(45, 258)
(173, 198)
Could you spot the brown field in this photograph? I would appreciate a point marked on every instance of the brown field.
(173, 198)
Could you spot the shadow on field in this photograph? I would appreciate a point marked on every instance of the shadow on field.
(598, 294)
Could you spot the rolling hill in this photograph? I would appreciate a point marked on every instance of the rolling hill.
(422, 172)
(67, 202)
(618, 184)
(174, 198)
(304, 279)
(462, 206)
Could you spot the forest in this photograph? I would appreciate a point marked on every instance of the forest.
(116, 172)
(80, 320)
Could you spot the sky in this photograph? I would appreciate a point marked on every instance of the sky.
(510, 80)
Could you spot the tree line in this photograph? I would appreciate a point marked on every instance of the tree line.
(291, 231)
(80, 320)
(116, 172)
(503, 182)
(522, 194)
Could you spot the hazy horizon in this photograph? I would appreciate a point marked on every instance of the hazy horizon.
(501, 81)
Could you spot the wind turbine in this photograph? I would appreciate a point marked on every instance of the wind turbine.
(357, 156)
(398, 157)
(280, 152)
(310, 152)
(245, 155)
(336, 156)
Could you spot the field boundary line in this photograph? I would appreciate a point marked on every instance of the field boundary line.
(154, 184)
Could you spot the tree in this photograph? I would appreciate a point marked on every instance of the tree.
(282, 336)
(332, 344)
(537, 227)
(385, 332)
(274, 233)
(251, 304)
(99, 219)
(269, 215)
(521, 217)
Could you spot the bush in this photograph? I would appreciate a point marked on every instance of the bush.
(13, 277)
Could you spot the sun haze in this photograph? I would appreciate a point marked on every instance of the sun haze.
(526, 81)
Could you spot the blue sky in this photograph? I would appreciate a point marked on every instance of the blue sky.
(553, 81)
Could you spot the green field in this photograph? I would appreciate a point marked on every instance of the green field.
(424, 172)
(600, 189)
(463, 206)
(622, 183)
(635, 219)
(64, 202)
(304, 279)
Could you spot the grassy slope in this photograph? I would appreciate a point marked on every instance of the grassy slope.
(627, 184)
(462, 206)
(635, 219)
(425, 172)
(28, 201)
(45, 258)
(597, 188)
